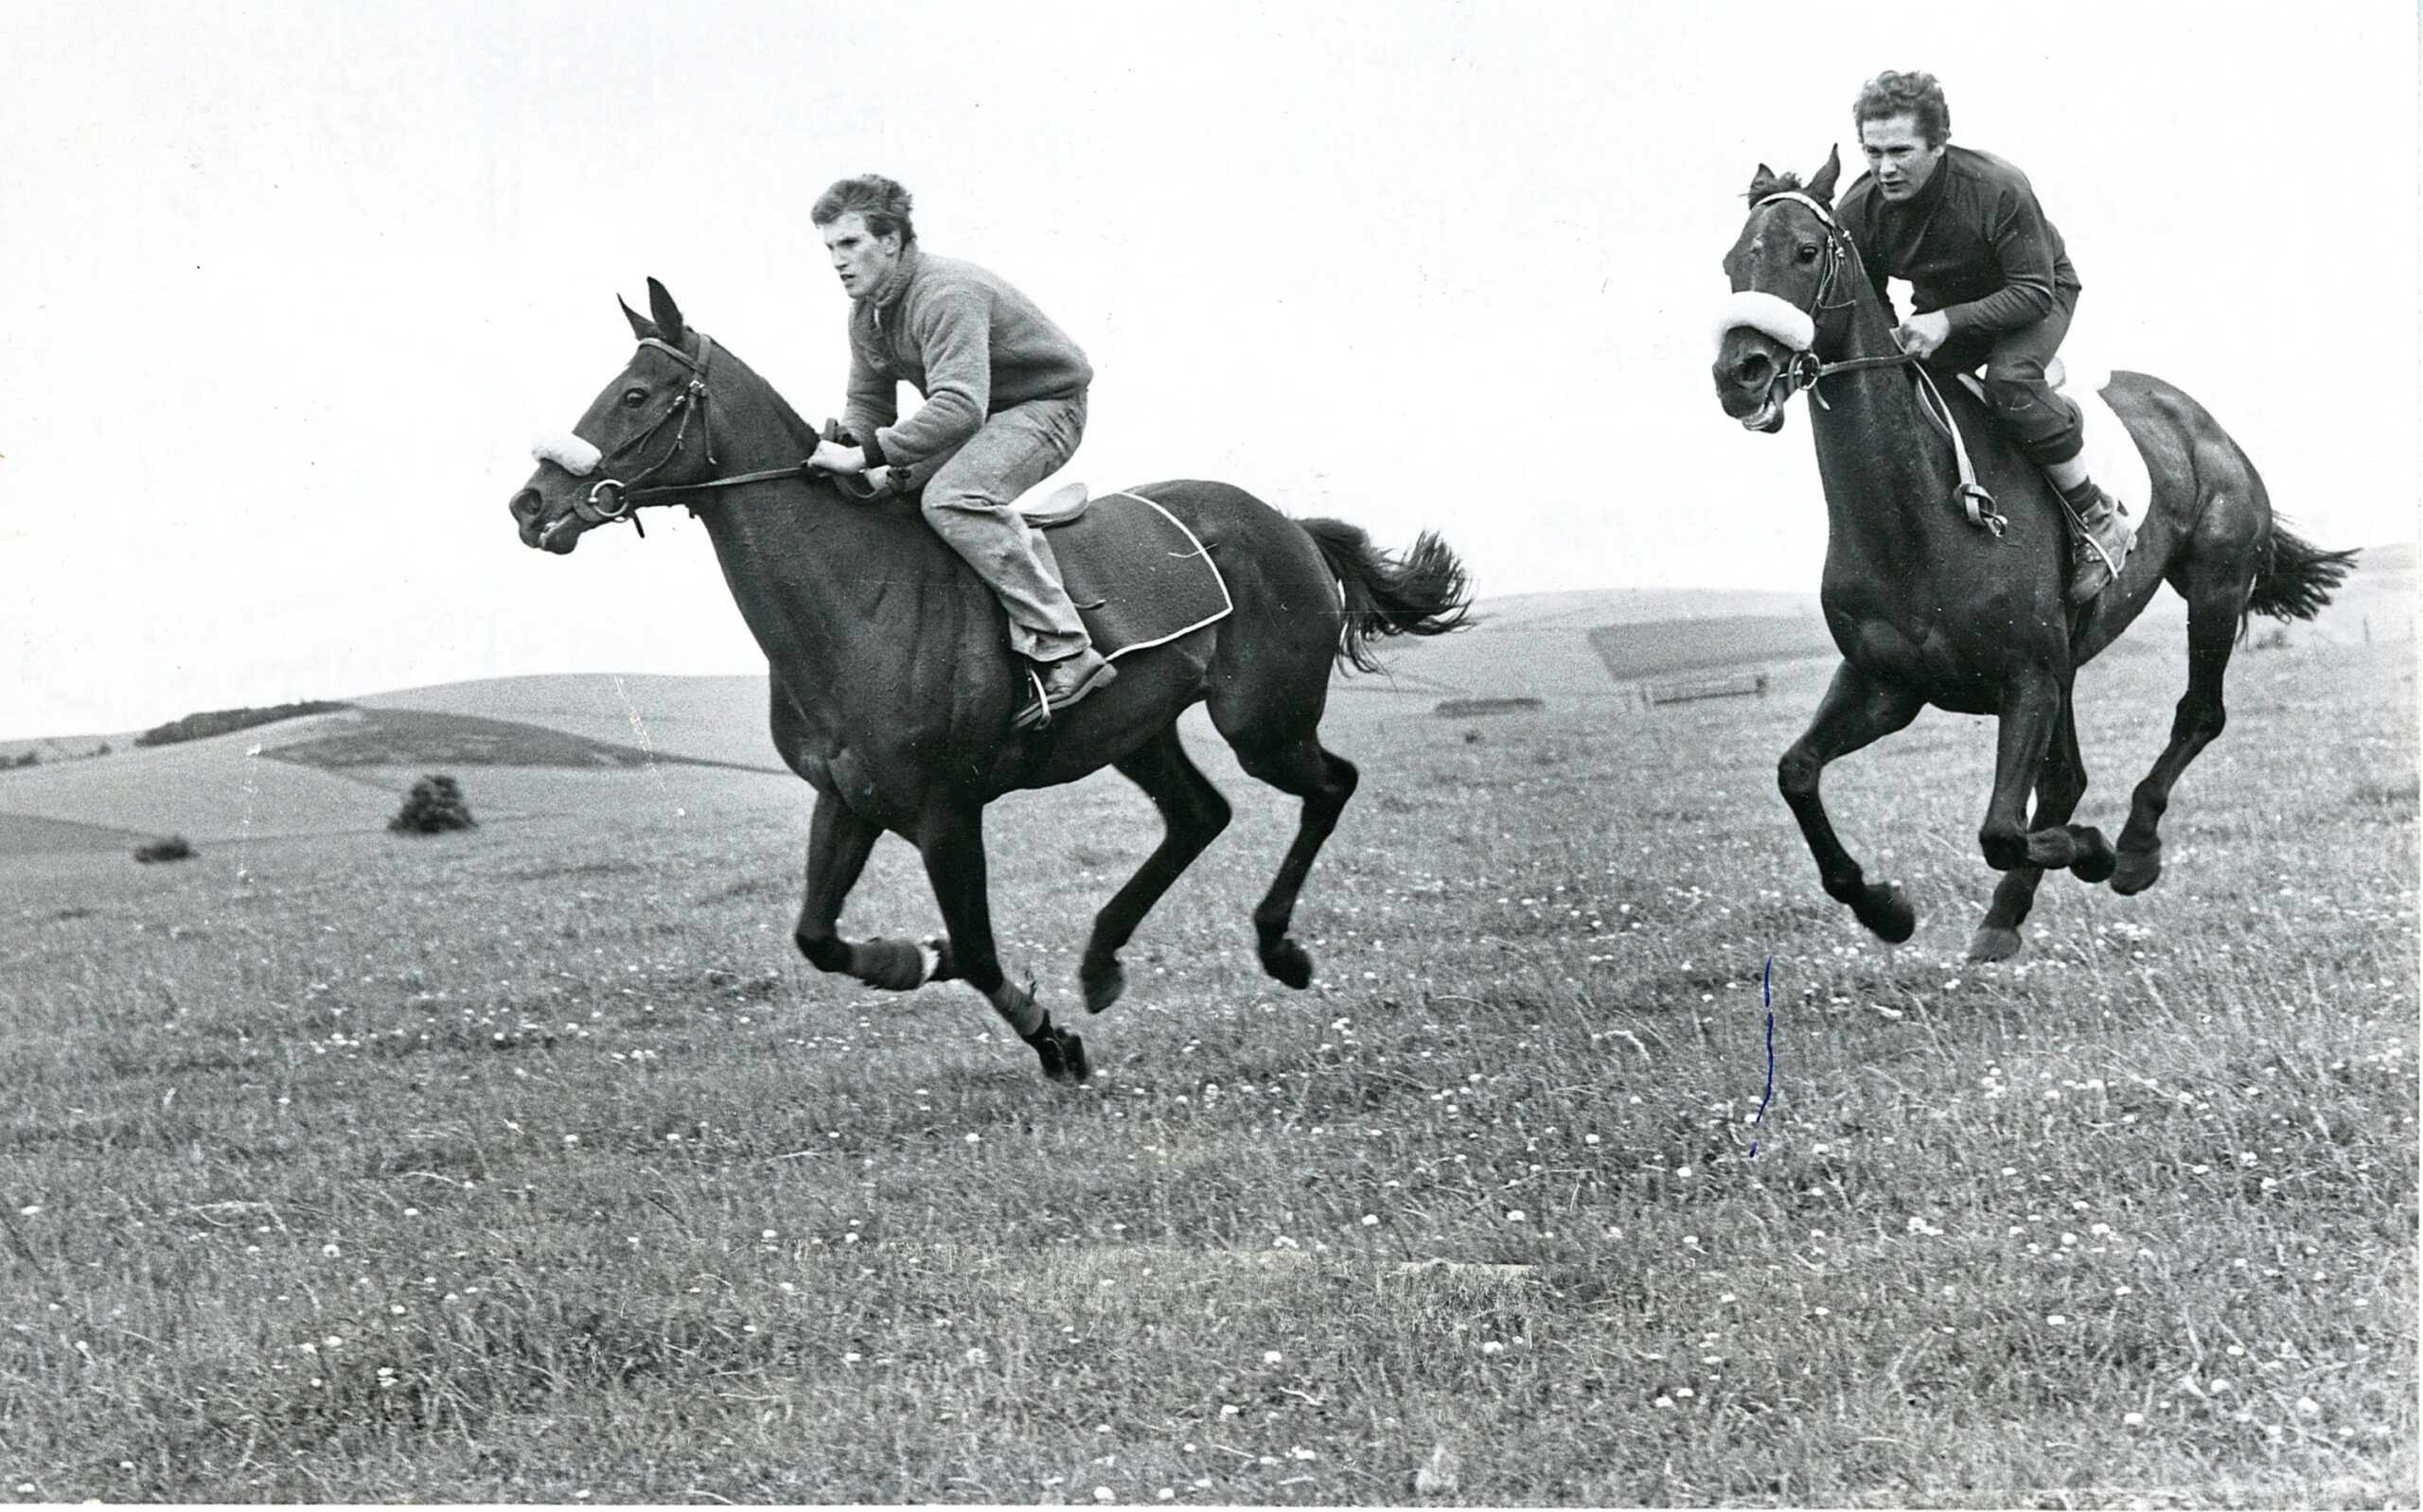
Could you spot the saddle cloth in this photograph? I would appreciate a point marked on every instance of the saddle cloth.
(2111, 453)
(1138, 577)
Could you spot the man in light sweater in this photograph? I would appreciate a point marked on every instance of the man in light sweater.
(1005, 406)
(1989, 281)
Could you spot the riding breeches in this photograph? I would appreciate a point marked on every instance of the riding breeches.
(2047, 426)
(969, 500)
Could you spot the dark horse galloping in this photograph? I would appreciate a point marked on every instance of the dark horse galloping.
(1928, 608)
(893, 685)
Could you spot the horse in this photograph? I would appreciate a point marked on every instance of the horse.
(1928, 607)
(894, 686)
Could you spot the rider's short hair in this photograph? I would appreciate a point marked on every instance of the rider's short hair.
(1890, 93)
(881, 202)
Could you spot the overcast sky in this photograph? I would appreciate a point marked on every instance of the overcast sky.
(290, 287)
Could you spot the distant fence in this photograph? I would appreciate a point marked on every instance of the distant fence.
(1466, 708)
(1690, 690)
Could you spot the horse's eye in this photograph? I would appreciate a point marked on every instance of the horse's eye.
(1809, 251)
(634, 399)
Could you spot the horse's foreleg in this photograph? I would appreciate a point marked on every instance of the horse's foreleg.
(1855, 711)
(1324, 782)
(951, 840)
(2034, 708)
(2059, 787)
(838, 843)
(1192, 814)
(2211, 630)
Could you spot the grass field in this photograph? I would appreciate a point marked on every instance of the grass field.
(532, 1164)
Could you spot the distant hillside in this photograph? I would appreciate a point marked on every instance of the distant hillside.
(415, 737)
(1541, 644)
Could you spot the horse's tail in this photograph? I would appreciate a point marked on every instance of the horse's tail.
(2295, 577)
(1422, 592)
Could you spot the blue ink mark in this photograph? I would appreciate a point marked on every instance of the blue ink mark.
(1767, 999)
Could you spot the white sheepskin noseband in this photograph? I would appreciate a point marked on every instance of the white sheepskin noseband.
(570, 453)
(1784, 321)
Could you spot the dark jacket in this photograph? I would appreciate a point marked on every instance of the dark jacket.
(1973, 244)
(972, 344)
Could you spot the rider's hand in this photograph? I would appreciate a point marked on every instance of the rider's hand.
(1921, 334)
(880, 479)
(831, 456)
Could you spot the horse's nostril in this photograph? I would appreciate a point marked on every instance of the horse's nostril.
(524, 505)
(1753, 368)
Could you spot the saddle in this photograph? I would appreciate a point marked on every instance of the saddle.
(1138, 577)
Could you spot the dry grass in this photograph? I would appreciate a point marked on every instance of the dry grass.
(530, 1163)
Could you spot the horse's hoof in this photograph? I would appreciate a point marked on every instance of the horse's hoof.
(1993, 942)
(2098, 861)
(2136, 871)
(1103, 984)
(1285, 959)
(1888, 914)
(1063, 1054)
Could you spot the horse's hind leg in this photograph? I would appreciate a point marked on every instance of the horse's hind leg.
(2211, 630)
(2059, 787)
(1192, 814)
(1296, 765)
(1856, 710)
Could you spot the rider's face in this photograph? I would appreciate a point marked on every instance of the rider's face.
(1898, 156)
(864, 261)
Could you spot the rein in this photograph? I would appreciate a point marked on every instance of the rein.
(611, 499)
(1806, 368)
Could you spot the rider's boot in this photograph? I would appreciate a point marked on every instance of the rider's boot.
(2103, 538)
(1066, 681)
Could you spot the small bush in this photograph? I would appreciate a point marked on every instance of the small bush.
(435, 805)
(170, 848)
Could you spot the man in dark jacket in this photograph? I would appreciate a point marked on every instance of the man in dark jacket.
(1989, 282)
(1005, 405)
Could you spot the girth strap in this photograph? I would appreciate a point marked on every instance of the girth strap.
(1974, 501)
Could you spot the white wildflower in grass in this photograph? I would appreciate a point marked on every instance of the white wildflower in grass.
(2217, 1384)
(412, 1212)
(2056, 1320)
(852, 1358)
(1164, 1494)
(330, 1251)
(1272, 1357)
(1371, 1221)
(1492, 1347)
(1102, 1493)
(1229, 1409)
(2133, 1420)
(1514, 1216)
(571, 1140)
(2308, 1406)
(1727, 1297)
(975, 1138)
(1665, 1401)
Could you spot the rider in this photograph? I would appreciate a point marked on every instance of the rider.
(1989, 282)
(1005, 406)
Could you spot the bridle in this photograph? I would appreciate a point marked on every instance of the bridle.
(612, 500)
(1804, 369)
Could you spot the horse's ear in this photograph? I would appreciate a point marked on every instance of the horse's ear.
(1821, 188)
(642, 328)
(1762, 183)
(668, 315)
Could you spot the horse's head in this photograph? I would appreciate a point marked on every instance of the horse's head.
(1785, 272)
(649, 426)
